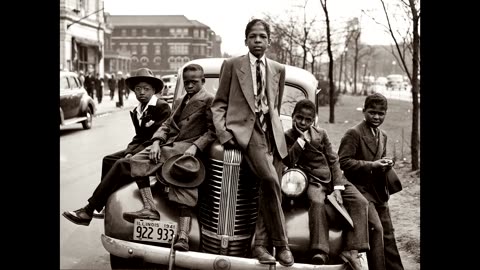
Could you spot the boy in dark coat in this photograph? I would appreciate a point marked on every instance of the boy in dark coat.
(362, 154)
(310, 150)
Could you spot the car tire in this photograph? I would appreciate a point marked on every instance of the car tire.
(87, 124)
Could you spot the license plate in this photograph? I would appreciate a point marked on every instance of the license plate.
(154, 230)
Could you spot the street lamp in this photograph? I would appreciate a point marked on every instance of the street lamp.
(393, 66)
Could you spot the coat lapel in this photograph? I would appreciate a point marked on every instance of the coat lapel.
(369, 139)
(245, 80)
(380, 147)
(193, 105)
(272, 79)
(133, 115)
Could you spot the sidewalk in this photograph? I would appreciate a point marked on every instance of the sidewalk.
(108, 106)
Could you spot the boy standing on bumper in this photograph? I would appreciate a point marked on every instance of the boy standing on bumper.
(246, 115)
(362, 154)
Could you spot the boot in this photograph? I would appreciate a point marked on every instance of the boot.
(148, 212)
(184, 231)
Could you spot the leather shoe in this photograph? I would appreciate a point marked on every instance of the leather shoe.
(263, 256)
(352, 258)
(79, 217)
(285, 256)
(181, 245)
(145, 213)
(319, 258)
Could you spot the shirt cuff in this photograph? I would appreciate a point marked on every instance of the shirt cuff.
(339, 187)
(301, 142)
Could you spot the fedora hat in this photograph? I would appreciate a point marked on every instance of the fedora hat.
(144, 75)
(183, 171)
(393, 182)
(340, 209)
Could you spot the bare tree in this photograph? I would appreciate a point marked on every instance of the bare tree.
(410, 46)
(331, 119)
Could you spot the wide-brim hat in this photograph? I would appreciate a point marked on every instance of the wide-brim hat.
(340, 209)
(183, 171)
(144, 75)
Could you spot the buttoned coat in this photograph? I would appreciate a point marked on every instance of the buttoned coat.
(187, 125)
(145, 129)
(358, 150)
(235, 92)
(317, 158)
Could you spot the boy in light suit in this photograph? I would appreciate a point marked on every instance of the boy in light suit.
(246, 112)
(362, 154)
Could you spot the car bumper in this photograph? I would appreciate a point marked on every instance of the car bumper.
(201, 261)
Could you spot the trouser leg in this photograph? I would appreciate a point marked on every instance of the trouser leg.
(376, 255)
(317, 218)
(109, 160)
(357, 207)
(392, 256)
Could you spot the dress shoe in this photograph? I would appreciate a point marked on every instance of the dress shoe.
(79, 217)
(320, 258)
(352, 258)
(263, 256)
(285, 256)
(181, 245)
(145, 213)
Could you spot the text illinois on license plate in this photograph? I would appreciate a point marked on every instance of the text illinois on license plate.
(154, 230)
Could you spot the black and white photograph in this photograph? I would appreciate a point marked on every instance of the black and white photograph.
(254, 134)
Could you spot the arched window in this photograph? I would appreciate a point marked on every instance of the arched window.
(157, 60)
(134, 59)
(144, 60)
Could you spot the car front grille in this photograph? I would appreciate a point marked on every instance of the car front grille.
(228, 206)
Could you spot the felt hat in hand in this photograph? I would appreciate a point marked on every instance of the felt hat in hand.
(183, 171)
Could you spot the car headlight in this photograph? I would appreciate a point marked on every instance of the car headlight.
(294, 182)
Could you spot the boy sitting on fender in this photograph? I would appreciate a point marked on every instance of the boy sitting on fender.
(310, 150)
(189, 129)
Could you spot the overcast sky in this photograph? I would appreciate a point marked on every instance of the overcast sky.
(229, 17)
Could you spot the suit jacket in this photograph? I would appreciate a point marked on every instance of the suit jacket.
(358, 149)
(191, 124)
(143, 133)
(234, 105)
(317, 158)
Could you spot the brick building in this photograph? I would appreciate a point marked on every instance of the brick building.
(81, 35)
(162, 43)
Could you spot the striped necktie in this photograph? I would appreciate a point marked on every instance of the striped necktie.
(260, 95)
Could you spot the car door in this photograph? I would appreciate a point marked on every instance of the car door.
(76, 95)
(66, 99)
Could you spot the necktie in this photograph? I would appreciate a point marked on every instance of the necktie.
(260, 95)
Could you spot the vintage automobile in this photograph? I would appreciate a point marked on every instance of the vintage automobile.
(76, 106)
(223, 226)
(169, 88)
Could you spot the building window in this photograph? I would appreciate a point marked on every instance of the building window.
(202, 50)
(157, 49)
(185, 32)
(124, 32)
(178, 49)
(133, 49)
(134, 59)
(195, 50)
(124, 48)
(144, 32)
(185, 59)
(202, 33)
(195, 33)
(157, 32)
(144, 61)
(157, 60)
(144, 49)
(134, 32)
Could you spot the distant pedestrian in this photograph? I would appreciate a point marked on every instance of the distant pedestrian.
(127, 90)
(89, 84)
(121, 88)
(112, 85)
(81, 77)
(99, 87)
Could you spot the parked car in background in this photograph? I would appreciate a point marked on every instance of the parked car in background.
(395, 82)
(169, 81)
(76, 106)
(223, 223)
